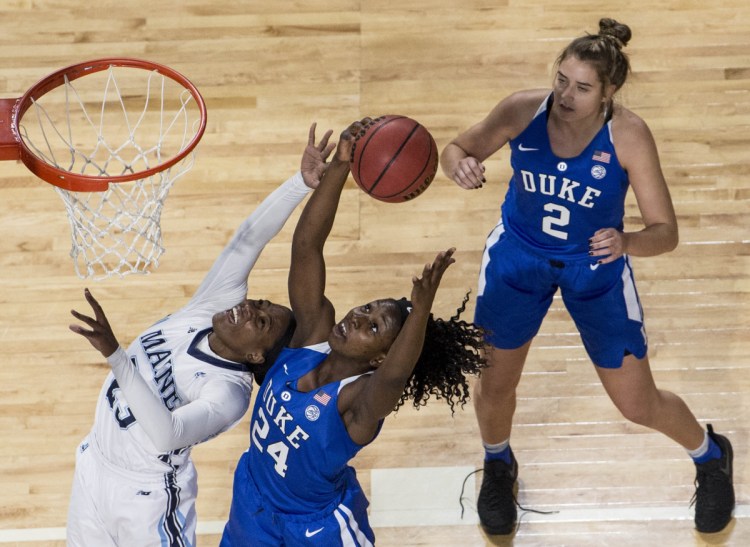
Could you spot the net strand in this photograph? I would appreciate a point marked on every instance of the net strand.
(117, 231)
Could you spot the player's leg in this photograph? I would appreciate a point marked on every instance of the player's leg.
(631, 387)
(633, 391)
(250, 521)
(495, 403)
(609, 316)
(495, 392)
(605, 306)
(155, 514)
(515, 292)
(86, 524)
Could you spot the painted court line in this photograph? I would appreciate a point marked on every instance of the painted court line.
(645, 514)
(428, 496)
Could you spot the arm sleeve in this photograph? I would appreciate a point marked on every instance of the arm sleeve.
(221, 405)
(226, 282)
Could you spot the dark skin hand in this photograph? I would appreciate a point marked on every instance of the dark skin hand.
(364, 403)
(100, 336)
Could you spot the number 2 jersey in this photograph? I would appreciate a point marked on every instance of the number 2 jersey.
(299, 445)
(554, 205)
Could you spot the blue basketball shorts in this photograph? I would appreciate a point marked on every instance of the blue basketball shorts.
(516, 288)
(253, 521)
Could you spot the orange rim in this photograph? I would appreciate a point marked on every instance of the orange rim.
(88, 183)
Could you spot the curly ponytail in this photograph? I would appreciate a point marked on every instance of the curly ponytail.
(452, 350)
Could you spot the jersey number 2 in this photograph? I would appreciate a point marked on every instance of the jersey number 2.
(559, 217)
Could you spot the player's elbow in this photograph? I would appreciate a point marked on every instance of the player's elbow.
(165, 444)
(163, 447)
(167, 440)
(672, 238)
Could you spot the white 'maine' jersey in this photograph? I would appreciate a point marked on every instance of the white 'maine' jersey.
(169, 391)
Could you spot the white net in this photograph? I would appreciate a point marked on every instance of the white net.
(120, 121)
(118, 231)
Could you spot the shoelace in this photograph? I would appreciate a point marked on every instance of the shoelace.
(702, 481)
(521, 507)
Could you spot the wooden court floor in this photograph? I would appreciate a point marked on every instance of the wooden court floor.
(269, 69)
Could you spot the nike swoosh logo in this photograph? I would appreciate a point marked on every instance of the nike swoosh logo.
(593, 266)
(522, 148)
(309, 534)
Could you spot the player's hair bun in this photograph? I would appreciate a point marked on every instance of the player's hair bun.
(618, 32)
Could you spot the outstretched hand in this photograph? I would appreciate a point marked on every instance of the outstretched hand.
(424, 287)
(314, 165)
(100, 336)
(348, 137)
(314, 158)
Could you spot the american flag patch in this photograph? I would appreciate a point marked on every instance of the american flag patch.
(601, 156)
(322, 397)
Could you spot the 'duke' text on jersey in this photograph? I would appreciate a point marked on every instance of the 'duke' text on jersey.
(283, 420)
(566, 189)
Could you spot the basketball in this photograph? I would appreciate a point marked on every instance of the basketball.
(394, 159)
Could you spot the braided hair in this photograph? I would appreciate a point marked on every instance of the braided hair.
(452, 350)
(603, 51)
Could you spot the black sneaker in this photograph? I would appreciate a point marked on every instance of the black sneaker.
(714, 494)
(496, 503)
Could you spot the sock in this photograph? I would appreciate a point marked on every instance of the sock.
(499, 451)
(708, 450)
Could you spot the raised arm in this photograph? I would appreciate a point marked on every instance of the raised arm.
(313, 312)
(377, 396)
(219, 406)
(226, 281)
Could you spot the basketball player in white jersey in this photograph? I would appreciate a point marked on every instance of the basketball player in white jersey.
(184, 380)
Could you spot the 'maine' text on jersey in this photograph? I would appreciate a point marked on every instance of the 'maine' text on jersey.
(160, 359)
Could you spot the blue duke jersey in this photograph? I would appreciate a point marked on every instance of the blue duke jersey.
(299, 445)
(553, 204)
(551, 209)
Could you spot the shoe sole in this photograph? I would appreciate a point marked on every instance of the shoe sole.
(499, 531)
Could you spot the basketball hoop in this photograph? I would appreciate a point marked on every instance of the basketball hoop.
(112, 136)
